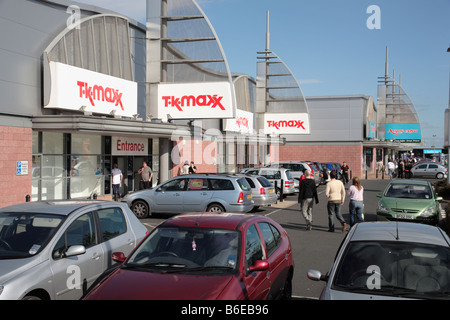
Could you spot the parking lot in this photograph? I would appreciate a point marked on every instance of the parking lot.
(314, 249)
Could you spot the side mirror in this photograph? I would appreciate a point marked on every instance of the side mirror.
(379, 195)
(75, 251)
(316, 275)
(118, 257)
(259, 265)
(439, 199)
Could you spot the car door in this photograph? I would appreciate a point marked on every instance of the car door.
(432, 170)
(257, 283)
(197, 195)
(116, 235)
(421, 170)
(276, 257)
(72, 276)
(169, 196)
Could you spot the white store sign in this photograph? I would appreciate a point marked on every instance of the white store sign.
(73, 88)
(286, 123)
(243, 122)
(129, 146)
(205, 100)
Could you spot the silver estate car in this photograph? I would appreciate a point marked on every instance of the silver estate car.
(275, 175)
(263, 192)
(57, 249)
(389, 260)
(193, 193)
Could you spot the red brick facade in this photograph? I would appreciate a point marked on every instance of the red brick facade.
(15, 145)
(352, 154)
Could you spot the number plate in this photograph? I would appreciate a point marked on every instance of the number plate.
(404, 216)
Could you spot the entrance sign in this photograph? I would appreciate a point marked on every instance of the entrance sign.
(286, 123)
(128, 146)
(74, 88)
(204, 100)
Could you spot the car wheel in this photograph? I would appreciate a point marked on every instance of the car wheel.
(215, 207)
(440, 175)
(287, 291)
(140, 209)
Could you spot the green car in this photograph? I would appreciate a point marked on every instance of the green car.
(409, 200)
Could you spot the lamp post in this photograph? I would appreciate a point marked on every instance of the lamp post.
(448, 147)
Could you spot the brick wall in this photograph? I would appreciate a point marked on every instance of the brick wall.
(15, 145)
(332, 153)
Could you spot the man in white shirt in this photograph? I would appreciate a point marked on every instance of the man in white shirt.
(117, 177)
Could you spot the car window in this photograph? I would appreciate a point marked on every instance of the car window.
(253, 246)
(271, 236)
(288, 175)
(112, 222)
(250, 182)
(398, 265)
(174, 185)
(271, 174)
(433, 166)
(422, 166)
(25, 234)
(253, 172)
(197, 184)
(409, 191)
(264, 182)
(80, 232)
(243, 184)
(221, 184)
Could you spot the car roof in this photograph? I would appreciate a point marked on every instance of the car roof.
(407, 232)
(60, 207)
(225, 220)
(408, 181)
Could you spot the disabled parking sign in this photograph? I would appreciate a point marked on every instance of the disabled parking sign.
(21, 168)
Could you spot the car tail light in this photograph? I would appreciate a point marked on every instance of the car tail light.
(241, 197)
(287, 184)
(262, 191)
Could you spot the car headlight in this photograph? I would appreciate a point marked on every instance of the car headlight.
(382, 209)
(428, 212)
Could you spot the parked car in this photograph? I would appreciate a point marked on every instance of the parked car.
(298, 168)
(205, 256)
(429, 170)
(275, 175)
(57, 249)
(263, 192)
(389, 260)
(409, 200)
(193, 193)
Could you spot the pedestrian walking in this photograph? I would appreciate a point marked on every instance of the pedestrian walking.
(146, 176)
(380, 167)
(400, 169)
(117, 177)
(345, 169)
(306, 196)
(391, 168)
(335, 192)
(356, 205)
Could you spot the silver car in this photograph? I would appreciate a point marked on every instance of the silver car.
(429, 170)
(389, 260)
(57, 249)
(263, 192)
(277, 176)
(193, 193)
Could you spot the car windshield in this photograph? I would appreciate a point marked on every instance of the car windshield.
(23, 235)
(400, 190)
(179, 249)
(395, 268)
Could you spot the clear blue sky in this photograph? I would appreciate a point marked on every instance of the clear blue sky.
(330, 50)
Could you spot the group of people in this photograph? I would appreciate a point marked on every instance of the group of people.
(145, 172)
(188, 168)
(402, 169)
(335, 192)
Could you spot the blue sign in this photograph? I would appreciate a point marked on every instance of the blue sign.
(372, 129)
(432, 151)
(404, 132)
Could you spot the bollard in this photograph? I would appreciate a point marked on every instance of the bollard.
(27, 198)
(281, 191)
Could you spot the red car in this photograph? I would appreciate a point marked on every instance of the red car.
(205, 256)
